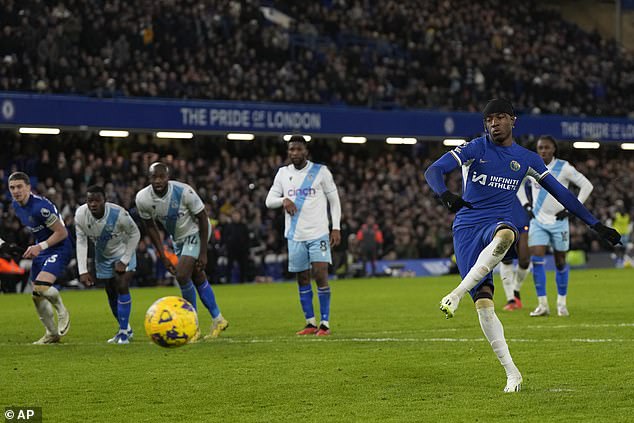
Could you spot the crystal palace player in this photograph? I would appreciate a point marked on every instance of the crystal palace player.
(115, 236)
(304, 189)
(50, 255)
(493, 167)
(182, 213)
(549, 225)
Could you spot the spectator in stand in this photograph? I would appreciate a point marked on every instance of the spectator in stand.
(370, 240)
(235, 236)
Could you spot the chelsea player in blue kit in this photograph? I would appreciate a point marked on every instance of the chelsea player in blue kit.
(483, 229)
(50, 255)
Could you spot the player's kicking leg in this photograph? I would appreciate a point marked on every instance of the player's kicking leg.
(488, 258)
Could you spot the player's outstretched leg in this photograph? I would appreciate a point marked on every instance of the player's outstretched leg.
(490, 256)
(45, 312)
(494, 332)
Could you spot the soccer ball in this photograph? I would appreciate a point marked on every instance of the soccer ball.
(171, 322)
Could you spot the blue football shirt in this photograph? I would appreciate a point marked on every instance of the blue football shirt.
(38, 214)
(491, 176)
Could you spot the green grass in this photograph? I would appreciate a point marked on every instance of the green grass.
(392, 358)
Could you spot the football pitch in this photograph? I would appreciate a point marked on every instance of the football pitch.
(392, 357)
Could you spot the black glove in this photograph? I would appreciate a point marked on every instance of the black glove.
(562, 215)
(529, 210)
(607, 233)
(453, 202)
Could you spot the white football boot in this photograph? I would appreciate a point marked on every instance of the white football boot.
(562, 311)
(540, 311)
(513, 383)
(449, 304)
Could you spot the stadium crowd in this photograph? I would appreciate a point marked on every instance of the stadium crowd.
(233, 180)
(442, 54)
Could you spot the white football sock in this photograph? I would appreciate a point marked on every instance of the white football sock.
(490, 256)
(325, 323)
(520, 276)
(494, 332)
(218, 318)
(561, 300)
(543, 301)
(508, 276)
(311, 321)
(52, 294)
(45, 311)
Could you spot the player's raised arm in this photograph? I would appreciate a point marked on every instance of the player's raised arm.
(435, 176)
(570, 202)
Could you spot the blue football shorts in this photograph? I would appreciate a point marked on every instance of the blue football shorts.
(556, 235)
(468, 243)
(302, 253)
(52, 260)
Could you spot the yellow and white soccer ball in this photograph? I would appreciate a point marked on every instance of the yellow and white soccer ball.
(171, 322)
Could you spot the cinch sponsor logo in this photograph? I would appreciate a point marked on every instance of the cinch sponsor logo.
(302, 192)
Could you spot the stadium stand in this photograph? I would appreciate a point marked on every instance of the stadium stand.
(437, 54)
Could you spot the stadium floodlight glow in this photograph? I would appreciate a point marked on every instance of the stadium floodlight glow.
(40, 131)
(112, 133)
(287, 137)
(354, 140)
(627, 146)
(240, 137)
(175, 135)
(452, 142)
(586, 144)
(399, 140)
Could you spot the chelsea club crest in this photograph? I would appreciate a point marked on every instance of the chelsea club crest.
(515, 165)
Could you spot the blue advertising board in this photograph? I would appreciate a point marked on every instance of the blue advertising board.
(141, 114)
